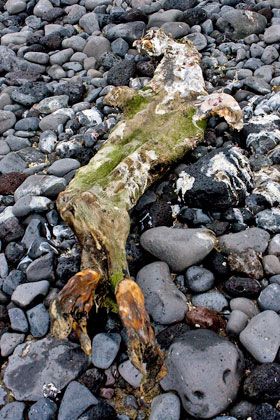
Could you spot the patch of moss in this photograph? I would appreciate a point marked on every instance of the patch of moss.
(136, 104)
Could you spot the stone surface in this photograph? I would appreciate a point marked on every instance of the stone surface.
(262, 336)
(199, 279)
(9, 341)
(163, 301)
(269, 298)
(263, 383)
(25, 294)
(38, 318)
(246, 263)
(76, 399)
(254, 238)
(165, 406)
(179, 248)
(47, 185)
(105, 348)
(7, 120)
(130, 374)
(43, 409)
(13, 411)
(38, 363)
(238, 24)
(196, 361)
(236, 323)
(211, 300)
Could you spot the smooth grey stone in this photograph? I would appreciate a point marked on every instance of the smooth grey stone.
(32, 232)
(37, 57)
(52, 28)
(96, 46)
(199, 279)
(176, 29)
(130, 31)
(43, 409)
(211, 300)
(33, 22)
(257, 85)
(7, 120)
(130, 374)
(159, 18)
(76, 399)
(46, 185)
(269, 298)
(10, 283)
(30, 203)
(120, 47)
(205, 369)
(269, 55)
(74, 13)
(244, 305)
(261, 337)
(225, 418)
(243, 409)
(198, 39)
(163, 301)
(89, 22)
(78, 56)
(265, 72)
(63, 166)
(52, 121)
(76, 42)
(236, 243)
(28, 124)
(253, 64)
(179, 248)
(89, 117)
(16, 38)
(13, 411)
(271, 265)
(41, 269)
(38, 318)
(92, 4)
(3, 396)
(274, 246)
(15, 6)
(236, 323)
(17, 143)
(256, 50)
(5, 99)
(272, 34)
(266, 219)
(18, 320)
(165, 406)
(4, 269)
(9, 62)
(49, 105)
(105, 347)
(9, 341)
(56, 72)
(61, 56)
(41, 7)
(238, 24)
(25, 294)
(53, 361)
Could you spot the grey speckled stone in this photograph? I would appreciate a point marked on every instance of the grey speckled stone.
(9, 341)
(53, 361)
(47, 185)
(244, 305)
(205, 369)
(211, 300)
(39, 319)
(262, 336)
(236, 323)
(130, 374)
(179, 248)
(43, 409)
(163, 301)
(105, 347)
(269, 298)
(13, 411)
(165, 406)
(7, 120)
(26, 293)
(76, 399)
(254, 238)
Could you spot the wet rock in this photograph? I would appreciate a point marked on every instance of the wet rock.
(202, 317)
(199, 279)
(254, 238)
(263, 383)
(211, 300)
(238, 24)
(41, 269)
(173, 245)
(163, 301)
(241, 286)
(105, 348)
(222, 178)
(165, 406)
(13, 411)
(236, 323)
(197, 361)
(46, 185)
(47, 361)
(246, 263)
(269, 298)
(76, 399)
(7, 120)
(43, 409)
(262, 336)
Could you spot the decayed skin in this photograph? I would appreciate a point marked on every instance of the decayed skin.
(160, 124)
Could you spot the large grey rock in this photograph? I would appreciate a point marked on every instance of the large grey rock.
(272, 34)
(163, 301)
(43, 362)
(205, 369)
(25, 294)
(89, 22)
(130, 31)
(7, 120)
(49, 105)
(96, 46)
(244, 305)
(236, 243)
(262, 336)
(105, 347)
(165, 406)
(179, 248)
(47, 185)
(238, 24)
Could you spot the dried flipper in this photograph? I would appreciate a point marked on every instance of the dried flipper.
(160, 124)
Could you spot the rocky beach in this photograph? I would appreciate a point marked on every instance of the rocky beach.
(204, 242)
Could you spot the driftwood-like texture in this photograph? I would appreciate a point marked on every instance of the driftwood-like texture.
(160, 124)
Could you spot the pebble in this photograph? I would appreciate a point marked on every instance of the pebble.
(197, 361)
(244, 305)
(41, 269)
(76, 399)
(54, 362)
(269, 298)
(130, 374)
(211, 300)
(173, 245)
(18, 320)
(46, 185)
(265, 411)
(25, 294)
(43, 409)
(62, 166)
(9, 341)
(199, 279)
(105, 347)
(271, 34)
(254, 238)
(261, 337)
(236, 323)
(38, 318)
(263, 382)
(165, 406)
(13, 411)
(246, 263)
